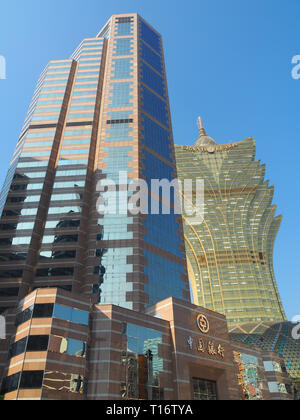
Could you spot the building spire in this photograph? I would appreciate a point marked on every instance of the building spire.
(202, 131)
(203, 139)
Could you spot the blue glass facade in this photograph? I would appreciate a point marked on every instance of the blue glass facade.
(164, 278)
(156, 138)
(115, 287)
(150, 37)
(154, 106)
(165, 274)
(151, 58)
(153, 80)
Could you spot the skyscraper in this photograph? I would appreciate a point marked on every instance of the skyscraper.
(230, 250)
(97, 304)
(103, 112)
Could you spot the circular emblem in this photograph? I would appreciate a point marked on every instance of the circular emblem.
(203, 323)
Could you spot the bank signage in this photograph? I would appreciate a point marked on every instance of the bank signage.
(202, 345)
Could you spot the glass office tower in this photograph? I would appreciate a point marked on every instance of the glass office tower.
(101, 112)
(230, 250)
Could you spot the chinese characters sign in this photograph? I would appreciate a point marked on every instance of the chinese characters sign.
(209, 347)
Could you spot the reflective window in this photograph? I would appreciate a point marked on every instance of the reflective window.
(56, 255)
(153, 80)
(65, 162)
(27, 199)
(84, 93)
(64, 382)
(55, 272)
(152, 58)
(124, 28)
(57, 69)
(25, 226)
(85, 66)
(32, 164)
(119, 132)
(43, 310)
(46, 118)
(150, 37)
(141, 363)
(57, 88)
(155, 106)
(55, 82)
(11, 274)
(86, 73)
(30, 175)
(272, 366)
(54, 224)
(15, 256)
(122, 68)
(37, 343)
(35, 311)
(17, 348)
(275, 387)
(64, 210)
(81, 107)
(74, 151)
(28, 212)
(9, 291)
(21, 241)
(74, 116)
(39, 144)
(165, 278)
(123, 46)
(31, 379)
(121, 96)
(69, 346)
(59, 239)
(43, 102)
(51, 95)
(78, 172)
(80, 100)
(24, 316)
(77, 132)
(87, 79)
(10, 383)
(70, 314)
(32, 343)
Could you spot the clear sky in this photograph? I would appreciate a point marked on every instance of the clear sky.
(228, 61)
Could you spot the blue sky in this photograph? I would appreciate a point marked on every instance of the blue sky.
(228, 61)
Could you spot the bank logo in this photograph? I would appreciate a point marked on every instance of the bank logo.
(2, 328)
(296, 69)
(203, 324)
(2, 68)
(296, 329)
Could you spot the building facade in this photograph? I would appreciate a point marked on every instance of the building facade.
(97, 119)
(65, 348)
(230, 249)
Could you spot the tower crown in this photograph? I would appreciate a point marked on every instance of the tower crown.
(204, 139)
